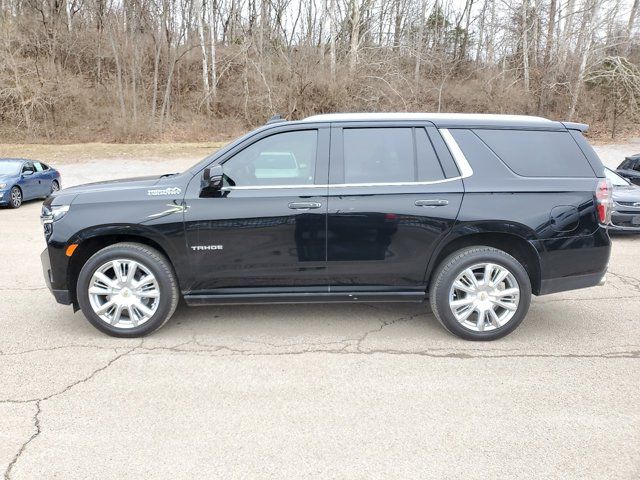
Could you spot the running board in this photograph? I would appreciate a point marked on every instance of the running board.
(316, 297)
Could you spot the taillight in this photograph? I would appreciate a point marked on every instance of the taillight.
(604, 200)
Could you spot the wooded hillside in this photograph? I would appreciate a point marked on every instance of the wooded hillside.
(81, 70)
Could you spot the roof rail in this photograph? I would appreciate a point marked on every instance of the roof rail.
(277, 118)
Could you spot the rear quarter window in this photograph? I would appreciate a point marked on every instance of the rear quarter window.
(537, 153)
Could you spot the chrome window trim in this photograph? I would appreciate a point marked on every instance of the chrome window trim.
(271, 187)
(458, 157)
(342, 185)
(456, 152)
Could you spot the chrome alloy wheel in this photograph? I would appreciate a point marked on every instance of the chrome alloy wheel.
(484, 297)
(124, 293)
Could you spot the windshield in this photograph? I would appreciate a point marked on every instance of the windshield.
(615, 179)
(9, 168)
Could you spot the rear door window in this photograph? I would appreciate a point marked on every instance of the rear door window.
(389, 155)
(537, 153)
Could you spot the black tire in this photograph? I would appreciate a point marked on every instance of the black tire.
(452, 266)
(152, 260)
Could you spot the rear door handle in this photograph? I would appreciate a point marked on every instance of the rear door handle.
(431, 203)
(304, 205)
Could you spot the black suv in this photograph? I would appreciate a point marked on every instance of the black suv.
(472, 212)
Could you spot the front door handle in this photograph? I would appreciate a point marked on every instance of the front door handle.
(431, 203)
(304, 205)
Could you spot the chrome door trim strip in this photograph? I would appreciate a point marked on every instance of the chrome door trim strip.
(456, 152)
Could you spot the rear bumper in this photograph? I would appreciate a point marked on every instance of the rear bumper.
(555, 285)
(576, 262)
(62, 296)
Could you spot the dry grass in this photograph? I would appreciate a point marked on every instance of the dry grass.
(82, 152)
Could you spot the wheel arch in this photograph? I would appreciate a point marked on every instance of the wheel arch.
(515, 245)
(90, 242)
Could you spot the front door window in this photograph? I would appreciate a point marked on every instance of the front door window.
(287, 158)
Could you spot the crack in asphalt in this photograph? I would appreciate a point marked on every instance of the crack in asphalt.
(353, 346)
(589, 299)
(21, 289)
(226, 351)
(58, 347)
(346, 346)
(633, 282)
(38, 403)
(346, 342)
(36, 423)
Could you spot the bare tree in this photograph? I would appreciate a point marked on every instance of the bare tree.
(199, 11)
(196, 68)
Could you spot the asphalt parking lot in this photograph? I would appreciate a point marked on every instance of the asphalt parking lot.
(319, 391)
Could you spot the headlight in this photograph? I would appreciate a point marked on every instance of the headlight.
(3, 186)
(53, 214)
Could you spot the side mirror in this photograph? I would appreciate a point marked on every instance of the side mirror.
(27, 172)
(211, 183)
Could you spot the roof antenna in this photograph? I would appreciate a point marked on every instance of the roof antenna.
(276, 119)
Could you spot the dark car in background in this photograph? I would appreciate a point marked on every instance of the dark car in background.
(630, 169)
(474, 213)
(625, 214)
(22, 180)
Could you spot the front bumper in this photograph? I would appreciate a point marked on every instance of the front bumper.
(625, 221)
(62, 296)
(4, 197)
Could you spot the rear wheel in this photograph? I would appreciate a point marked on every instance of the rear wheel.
(55, 186)
(127, 290)
(480, 293)
(15, 197)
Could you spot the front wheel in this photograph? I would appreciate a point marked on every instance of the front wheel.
(480, 293)
(15, 197)
(127, 290)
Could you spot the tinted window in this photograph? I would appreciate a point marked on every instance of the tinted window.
(538, 154)
(429, 167)
(28, 167)
(384, 155)
(41, 166)
(287, 158)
